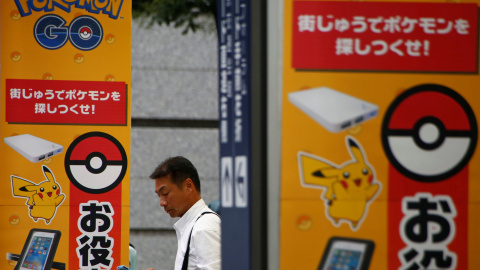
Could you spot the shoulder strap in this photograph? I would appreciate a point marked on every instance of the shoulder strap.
(187, 252)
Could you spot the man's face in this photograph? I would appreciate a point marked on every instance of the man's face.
(172, 198)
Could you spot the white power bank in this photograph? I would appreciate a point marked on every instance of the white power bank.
(33, 148)
(332, 109)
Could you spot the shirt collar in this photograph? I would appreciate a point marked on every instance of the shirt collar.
(189, 216)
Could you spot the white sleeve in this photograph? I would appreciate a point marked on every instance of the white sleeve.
(205, 246)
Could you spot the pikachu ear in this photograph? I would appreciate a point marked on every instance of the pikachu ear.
(313, 169)
(355, 150)
(327, 172)
(48, 174)
(29, 188)
(22, 187)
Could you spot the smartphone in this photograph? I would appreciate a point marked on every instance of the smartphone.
(39, 250)
(347, 254)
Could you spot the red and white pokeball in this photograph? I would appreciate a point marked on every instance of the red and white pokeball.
(429, 133)
(95, 162)
(85, 32)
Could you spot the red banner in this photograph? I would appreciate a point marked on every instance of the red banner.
(428, 220)
(96, 164)
(66, 102)
(429, 151)
(393, 36)
(95, 229)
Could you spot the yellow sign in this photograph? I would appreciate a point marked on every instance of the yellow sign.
(65, 133)
(379, 135)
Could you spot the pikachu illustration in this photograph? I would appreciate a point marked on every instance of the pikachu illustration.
(43, 198)
(347, 189)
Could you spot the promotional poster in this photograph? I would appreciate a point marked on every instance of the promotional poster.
(64, 133)
(379, 163)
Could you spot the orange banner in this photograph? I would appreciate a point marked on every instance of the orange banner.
(379, 136)
(65, 134)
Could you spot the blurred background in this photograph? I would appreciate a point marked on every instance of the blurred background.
(174, 112)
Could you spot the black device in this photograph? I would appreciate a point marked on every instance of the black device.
(347, 253)
(39, 250)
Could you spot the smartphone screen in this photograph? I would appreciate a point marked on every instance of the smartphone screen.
(38, 251)
(345, 256)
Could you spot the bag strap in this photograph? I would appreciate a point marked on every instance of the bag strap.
(187, 252)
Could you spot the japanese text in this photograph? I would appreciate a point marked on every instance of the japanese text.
(427, 228)
(94, 245)
(381, 25)
(83, 99)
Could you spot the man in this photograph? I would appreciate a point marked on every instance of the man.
(178, 186)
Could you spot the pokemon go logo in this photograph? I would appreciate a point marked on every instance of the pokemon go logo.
(110, 7)
(84, 32)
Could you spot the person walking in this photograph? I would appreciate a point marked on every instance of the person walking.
(198, 229)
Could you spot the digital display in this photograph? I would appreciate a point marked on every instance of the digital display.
(344, 259)
(37, 253)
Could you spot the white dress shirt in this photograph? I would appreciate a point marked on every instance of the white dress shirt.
(205, 243)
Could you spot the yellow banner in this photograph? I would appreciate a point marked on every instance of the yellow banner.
(379, 135)
(65, 133)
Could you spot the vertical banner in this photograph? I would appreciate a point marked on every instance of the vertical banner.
(379, 135)
(65, 134)
(235, 130)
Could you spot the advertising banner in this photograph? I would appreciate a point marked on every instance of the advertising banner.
(379, 135)
(65, 134)
(234, 96)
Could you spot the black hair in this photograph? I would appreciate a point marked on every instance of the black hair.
(178, 168)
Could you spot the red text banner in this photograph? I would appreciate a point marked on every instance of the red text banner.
(66, 102)
(391, 36)
(95, 229)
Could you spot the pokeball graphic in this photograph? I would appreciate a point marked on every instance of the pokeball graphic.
(429, 133)
(85, 32)
(95, 162)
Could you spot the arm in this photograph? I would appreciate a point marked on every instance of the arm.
(371, 190)
(59, 199)
(36, 200)
(205, 246)
(207, 250)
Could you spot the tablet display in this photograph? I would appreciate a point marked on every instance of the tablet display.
(39, 250)
(347, 254)
(344, 259)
